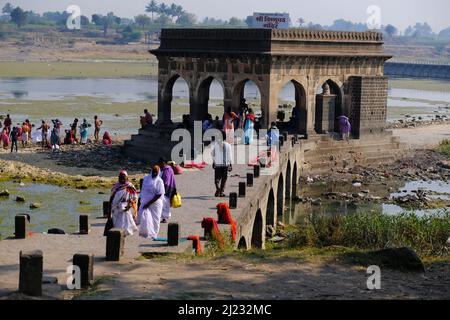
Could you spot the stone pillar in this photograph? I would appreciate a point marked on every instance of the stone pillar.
(106, 209)
(242, 189)
(233, 200)
(325, 111)
(21, 224)
(86, 264)
(173, 234)
(115, 243)
(250, 178)
(31, 272)
(84, 224)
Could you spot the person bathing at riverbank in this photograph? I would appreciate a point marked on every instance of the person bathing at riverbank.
(84, 133)
(14, 138)
(150, 211)
(44, 133)
(7, 123)
(107, 141)
(55, 140)
(222, 164)
(4, 138)
(170, 187)
(98, 124)
(25, 134)
(124, 205)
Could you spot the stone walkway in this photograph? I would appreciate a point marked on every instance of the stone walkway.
(197, 190)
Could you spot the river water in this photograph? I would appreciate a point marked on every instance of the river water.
(128, 90)
(60, 207)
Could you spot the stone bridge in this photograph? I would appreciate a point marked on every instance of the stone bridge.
(417, 70)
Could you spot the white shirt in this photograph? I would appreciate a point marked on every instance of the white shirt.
(221, 154)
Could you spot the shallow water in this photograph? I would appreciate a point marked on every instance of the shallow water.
(296, 211)
(60, 208)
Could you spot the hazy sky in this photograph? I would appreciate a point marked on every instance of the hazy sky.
(398, 12)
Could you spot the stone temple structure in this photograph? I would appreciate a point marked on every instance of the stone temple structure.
(334, 73)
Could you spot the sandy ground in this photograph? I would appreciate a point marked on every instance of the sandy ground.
(227, 277)
(423, 137)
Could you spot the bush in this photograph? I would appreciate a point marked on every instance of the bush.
(444, 147)
(427, 235)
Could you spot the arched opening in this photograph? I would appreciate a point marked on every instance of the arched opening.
(295, 181)
(292, 109)
(328, 108)
(257, 233)
(176, 98)
(280, 198)
(211, 95)
(270, 211)
(246, 94)
(242, 245)
(288, 181)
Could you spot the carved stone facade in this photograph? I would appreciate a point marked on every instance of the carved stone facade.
(350, 63)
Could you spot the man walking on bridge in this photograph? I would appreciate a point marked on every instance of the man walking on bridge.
(221, 155)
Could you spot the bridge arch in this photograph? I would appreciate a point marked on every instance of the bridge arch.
(280, 198)
(238, 92)
(242, 245)
(288, 187)
(295, 180)
(270, 209)
(258, 231)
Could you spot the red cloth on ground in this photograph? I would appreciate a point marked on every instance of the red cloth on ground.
(196, 244)
(196, 165)
(224, 216)
(211, 228)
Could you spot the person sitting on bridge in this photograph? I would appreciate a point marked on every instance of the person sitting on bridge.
(222, 157)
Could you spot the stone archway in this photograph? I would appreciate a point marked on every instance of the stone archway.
(328, 107)
(257, 233)
(203, 96)
(238, 94)
(165, 114)
(299, 117)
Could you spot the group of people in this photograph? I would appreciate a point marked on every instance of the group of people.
(49, 137)
(132, 211)
(11, 135)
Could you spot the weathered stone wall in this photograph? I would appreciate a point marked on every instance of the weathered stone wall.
(368, 109)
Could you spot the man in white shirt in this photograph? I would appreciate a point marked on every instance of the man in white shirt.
(222, 164)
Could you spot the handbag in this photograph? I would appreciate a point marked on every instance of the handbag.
(175, 201)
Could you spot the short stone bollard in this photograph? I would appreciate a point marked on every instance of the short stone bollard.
(285, 135)
(31, 273)
(21, 224)
(115, 242)
(242, 189)
(84, 224)
(256, 171)
(249, 179)
(233, 200)
(106, 209)
(173, 234)
(86, 264)
(281, 141)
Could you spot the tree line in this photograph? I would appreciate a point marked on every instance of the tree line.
(161, 15)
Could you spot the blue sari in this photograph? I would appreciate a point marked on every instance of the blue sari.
(249, 127)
